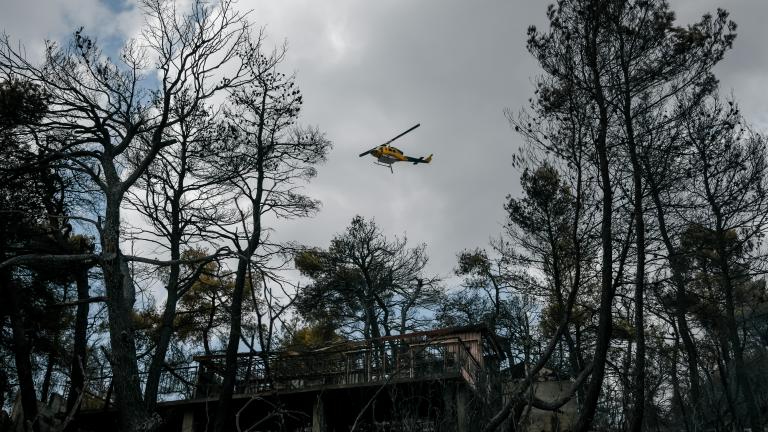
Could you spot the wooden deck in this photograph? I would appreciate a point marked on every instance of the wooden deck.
(384, 361)
(459, 354)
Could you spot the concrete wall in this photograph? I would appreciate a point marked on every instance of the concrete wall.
(550, 421)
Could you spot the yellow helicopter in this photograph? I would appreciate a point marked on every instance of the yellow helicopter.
(386, 155)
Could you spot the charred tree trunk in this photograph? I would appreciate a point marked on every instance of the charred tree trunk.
(677, 394)
(209, 326)
(236, 308)
(45, 388)
(636, 422)
(132, 414)
(605, 321)
(723, 358)
(742, 379)
(223, 417)
(676, 267)
(79, 355)
(22, 351)
(723, 263)
(166, 327)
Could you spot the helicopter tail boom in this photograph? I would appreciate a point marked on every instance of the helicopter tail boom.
(422, 159)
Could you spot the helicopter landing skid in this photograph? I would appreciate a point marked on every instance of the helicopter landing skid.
(385, 165)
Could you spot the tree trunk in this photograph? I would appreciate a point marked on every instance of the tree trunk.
(45, 388)
(21, 351)
(636, 422)
(676, 267)
(676, 393)
(165, 332)
(79, 355)
(605, 321)
(724, 264)
(738, 358)
(132, 414)
(223, 420)
(725, 380)
(209, 326)
(169, 313)
(4, 387)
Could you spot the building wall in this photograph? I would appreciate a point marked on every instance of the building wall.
(551, 421)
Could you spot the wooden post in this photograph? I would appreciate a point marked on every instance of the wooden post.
(367, 366)
(412, 372)
(346, 369)
(462, 410)
(318, 416)
(448, 420)
(188, 421)
(109, 394)
(384, 365)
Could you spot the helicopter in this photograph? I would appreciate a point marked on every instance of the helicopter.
(386, 155)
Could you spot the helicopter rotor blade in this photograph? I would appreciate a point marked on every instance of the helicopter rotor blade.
(367, 152)
(412, 128)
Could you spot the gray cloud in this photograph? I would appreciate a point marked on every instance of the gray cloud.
(371, 69)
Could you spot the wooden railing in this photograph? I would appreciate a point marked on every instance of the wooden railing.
(389, 360)
(382, 362)
(178, 382)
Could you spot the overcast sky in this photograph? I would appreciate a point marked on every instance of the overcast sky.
(370, 69)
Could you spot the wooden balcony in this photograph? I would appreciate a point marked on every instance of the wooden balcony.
(468, 354)
(343, 366)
